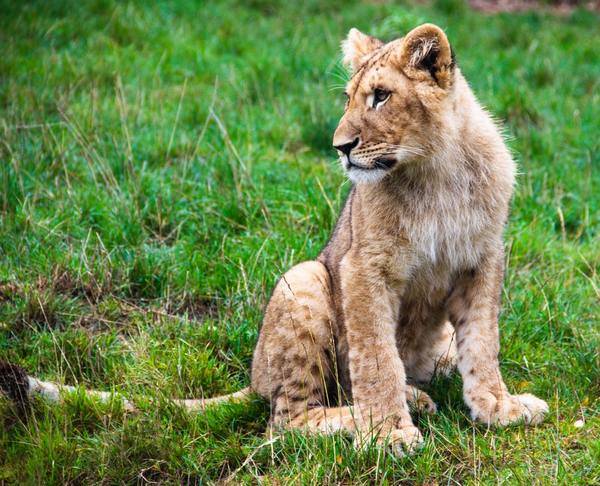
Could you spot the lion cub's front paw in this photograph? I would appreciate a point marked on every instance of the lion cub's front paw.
(402, 441)
(507, 409)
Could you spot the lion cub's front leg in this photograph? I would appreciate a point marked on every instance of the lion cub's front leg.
(370, 305)
(474, 308)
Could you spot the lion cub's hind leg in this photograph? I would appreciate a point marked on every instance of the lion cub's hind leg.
(431, 353)
(294, 362)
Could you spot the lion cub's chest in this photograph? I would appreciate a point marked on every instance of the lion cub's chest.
(445, 233)
(442, 244)
(451, 238)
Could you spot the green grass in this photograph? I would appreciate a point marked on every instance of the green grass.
(162, 163)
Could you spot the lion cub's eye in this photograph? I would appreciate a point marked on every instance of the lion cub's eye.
(379, 96)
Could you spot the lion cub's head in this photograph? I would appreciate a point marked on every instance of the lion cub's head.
(396, 100)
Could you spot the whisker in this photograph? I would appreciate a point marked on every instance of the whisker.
(412, 150)
(405, 147)
(395, 152)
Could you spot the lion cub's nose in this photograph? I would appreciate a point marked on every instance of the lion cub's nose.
(347, 147)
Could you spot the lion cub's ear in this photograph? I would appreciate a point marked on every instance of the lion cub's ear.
(425, 53)
(356, 47)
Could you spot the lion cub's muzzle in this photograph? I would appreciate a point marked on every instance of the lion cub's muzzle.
(360, 163)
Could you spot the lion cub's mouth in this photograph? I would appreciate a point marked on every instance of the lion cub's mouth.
(385, 163)
(382, 163)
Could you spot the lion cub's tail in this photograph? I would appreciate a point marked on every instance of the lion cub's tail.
(17, 385)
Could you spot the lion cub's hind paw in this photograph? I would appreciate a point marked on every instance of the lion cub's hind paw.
(420, 401)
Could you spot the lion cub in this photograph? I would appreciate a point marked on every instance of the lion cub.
(410, 282)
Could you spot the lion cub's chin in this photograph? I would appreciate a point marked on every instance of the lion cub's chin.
(366, 176)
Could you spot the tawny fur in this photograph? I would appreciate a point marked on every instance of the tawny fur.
(409, 284)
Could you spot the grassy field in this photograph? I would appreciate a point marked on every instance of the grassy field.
(162, 163)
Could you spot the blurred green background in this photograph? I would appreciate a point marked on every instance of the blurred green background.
(162, 163)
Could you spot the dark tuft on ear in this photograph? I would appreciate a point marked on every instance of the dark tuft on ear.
(426, 50)
(356, 47)
(429, 59)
